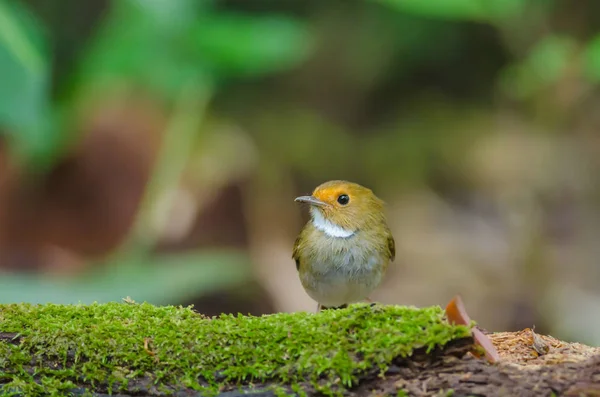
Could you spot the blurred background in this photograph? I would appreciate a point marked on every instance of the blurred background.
(153, 149)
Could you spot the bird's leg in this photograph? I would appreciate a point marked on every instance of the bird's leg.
(371, 301)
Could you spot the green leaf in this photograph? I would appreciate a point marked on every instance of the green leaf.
(168, 13)
(591, 59)
(161, 280)
(236, 44)
(543, 67)
(25, 71)
(475, 10)
(139, 42)
(163, 46)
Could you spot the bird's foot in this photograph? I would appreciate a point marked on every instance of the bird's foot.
(371, 302)
(321, 307)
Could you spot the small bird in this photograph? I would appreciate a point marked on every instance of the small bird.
(343, 252)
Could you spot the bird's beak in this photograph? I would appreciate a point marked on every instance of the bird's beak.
(310, 200)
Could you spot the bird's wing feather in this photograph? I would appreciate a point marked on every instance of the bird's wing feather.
(296, 252)
(391, 247)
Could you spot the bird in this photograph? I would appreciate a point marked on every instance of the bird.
(342, 253)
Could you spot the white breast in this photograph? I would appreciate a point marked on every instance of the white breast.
(328, 227)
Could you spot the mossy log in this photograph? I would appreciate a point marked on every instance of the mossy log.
(130, 349)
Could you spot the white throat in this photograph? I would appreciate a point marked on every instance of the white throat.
(328, 227)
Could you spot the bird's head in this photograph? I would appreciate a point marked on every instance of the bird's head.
(340, 208)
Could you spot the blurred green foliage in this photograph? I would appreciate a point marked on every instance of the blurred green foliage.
(160, 280)
(25, 71)
(161, 45)
(474, 10)
(385, 91)
(179, 49)
(543, 67)
(164, 45)
(592, 59)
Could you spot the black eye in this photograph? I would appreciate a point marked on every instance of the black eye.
(343, 199)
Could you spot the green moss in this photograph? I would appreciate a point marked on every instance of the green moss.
(103, 345)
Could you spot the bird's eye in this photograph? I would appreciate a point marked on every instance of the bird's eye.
(343, 199)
